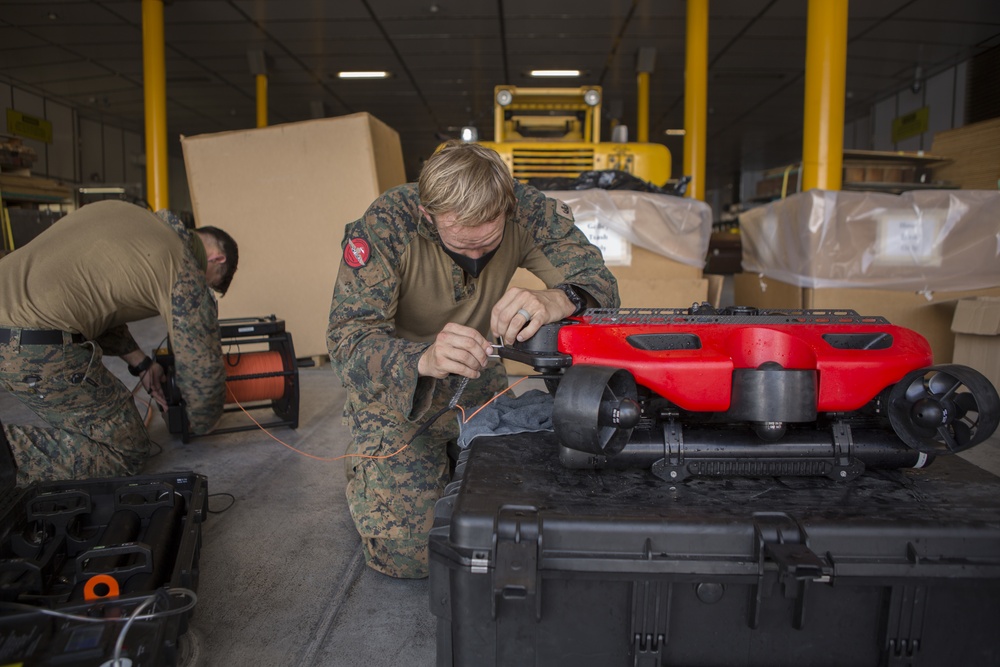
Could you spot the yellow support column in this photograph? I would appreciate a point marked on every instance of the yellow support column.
(261, 100)
(642, 101)
(645, 61)
(696, 97)
(826, 66)
(155, 96)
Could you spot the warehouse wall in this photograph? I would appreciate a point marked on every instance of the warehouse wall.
(83, 150)
(87, 150)
(944, 96)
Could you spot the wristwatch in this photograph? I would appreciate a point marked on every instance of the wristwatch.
(140, 368)
(575, 296)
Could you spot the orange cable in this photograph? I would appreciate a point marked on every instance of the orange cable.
(149, 404)
(359, 456)
(256, 376)
(465, 420)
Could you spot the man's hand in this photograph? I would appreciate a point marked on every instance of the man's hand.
(541, 306)
(153, 380)
(458, 350)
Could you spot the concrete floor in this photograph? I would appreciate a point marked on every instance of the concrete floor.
(282, 576)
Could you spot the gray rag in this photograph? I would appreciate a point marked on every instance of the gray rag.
(507, 415)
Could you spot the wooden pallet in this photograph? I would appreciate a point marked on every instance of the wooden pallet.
(33, 188)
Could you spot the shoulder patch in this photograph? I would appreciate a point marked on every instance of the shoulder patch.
(563, 209)
(356, 252)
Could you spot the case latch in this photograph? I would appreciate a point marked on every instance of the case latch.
(904, 625)
(516, 549)
(782, 545)
(650, 622)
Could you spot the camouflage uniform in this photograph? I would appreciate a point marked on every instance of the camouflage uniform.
(91, 273)
(396, 289)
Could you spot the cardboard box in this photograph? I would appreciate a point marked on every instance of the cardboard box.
(977, 336)
(647, 265)
(285, 193)
(665, 284)
(975, 155)
(929, 314)
(648, 292)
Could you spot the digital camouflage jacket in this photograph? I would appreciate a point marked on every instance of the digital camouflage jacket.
(397, 288)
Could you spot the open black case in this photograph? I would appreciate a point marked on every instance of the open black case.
(79, 558)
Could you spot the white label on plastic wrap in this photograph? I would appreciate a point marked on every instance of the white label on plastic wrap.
(616, 250)
(907, 239)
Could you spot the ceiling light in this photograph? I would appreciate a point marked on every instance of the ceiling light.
(675, 133)
(554, 72)
(363, 75)
(504, 97)
(592, 97)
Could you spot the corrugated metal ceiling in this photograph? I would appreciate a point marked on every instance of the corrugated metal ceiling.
(447, 55)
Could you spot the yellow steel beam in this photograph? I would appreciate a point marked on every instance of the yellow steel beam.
(696, 97)
(155, 97)
(5, 229)
(826, 65)
(593, 120)
(642, 123)
(261, 100)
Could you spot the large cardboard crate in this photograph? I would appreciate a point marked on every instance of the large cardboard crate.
(929, 314)
(977, 336)
(532, 563)
(285, 193)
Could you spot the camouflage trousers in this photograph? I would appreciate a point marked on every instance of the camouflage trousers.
(94, 428)
(392, 487)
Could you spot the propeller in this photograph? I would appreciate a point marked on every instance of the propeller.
(595, 409)
(944, 409)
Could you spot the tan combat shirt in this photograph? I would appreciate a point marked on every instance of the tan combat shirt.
(110, 263)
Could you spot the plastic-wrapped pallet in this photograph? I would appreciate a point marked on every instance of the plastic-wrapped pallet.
(654, 244)
(929, 240)
(676, 228)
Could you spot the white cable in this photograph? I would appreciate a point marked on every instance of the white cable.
(93, 619)
(120, 642)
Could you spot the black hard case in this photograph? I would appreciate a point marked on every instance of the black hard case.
(55, 536)
(535, 564)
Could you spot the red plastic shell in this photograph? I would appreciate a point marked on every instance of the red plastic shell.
(700, 380)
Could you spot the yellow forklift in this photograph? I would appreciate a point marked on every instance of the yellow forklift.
(556, 133)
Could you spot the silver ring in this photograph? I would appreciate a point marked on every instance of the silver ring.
(525, 314)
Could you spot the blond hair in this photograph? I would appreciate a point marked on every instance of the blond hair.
(468, 180)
